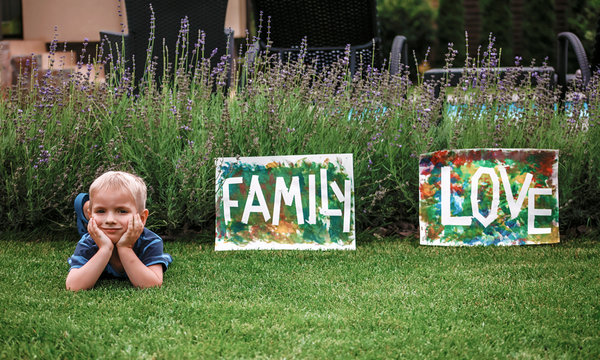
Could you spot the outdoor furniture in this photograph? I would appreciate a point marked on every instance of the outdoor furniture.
(559, 75)
(563, 78)
(208, 16)
(328, 27)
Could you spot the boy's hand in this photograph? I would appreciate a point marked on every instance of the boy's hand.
(98, 235)
(134, 230)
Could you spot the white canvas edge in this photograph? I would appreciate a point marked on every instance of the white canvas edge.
(259, 245)
(489, 149)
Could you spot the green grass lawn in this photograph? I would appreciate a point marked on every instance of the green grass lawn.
(388, 299)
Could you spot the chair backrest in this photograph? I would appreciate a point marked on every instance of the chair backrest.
(329, 26)
(208, 15)
(564, 40)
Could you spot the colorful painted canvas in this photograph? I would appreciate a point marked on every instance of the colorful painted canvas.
(488, 197)
(285, 202)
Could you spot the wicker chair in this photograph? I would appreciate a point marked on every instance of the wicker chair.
(328, 26)
(208, 16)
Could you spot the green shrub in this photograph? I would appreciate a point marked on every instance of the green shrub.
(61, 131)
(451, 26)
(539, 36)
(411, 18)
(497, 19)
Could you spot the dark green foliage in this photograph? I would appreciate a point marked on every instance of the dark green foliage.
(497, 20)
(451, 27)
(538, 31)
(583, 21)
(411, 18)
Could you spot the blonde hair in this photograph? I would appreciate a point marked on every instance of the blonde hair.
(121, 180)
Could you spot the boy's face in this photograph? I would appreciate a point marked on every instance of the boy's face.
(112, 209)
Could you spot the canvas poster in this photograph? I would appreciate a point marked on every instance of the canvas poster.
(285, 202)
(488, 197)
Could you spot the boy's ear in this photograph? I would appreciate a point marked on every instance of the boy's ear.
(87, 210)
(144, 216)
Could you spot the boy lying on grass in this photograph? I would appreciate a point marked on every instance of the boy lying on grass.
(116, 242)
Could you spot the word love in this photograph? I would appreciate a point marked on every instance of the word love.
(514, 205)
(291, 196)
(505, 197)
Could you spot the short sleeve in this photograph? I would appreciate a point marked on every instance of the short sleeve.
(151, 252)
(84, 251)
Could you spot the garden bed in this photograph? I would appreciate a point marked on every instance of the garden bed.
(59, 133)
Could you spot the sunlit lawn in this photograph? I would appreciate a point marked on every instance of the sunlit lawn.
(389, 298)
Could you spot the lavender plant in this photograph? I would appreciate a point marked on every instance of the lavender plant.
(61, 129)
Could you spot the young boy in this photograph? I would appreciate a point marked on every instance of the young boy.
(117, 242)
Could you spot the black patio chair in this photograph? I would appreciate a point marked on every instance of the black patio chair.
(328, 26)
(563, 77)
(208, 16)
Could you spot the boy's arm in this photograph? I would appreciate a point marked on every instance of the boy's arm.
(85, 277)
(139, 274)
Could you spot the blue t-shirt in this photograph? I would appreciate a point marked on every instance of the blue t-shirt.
(148, 248)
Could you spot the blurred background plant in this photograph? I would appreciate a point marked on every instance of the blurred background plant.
(414, 19)
(522, 28)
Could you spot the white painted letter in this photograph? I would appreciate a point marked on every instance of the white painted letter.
(533, 212)
(255, 190)
(325, 210)
(346, 199)
(289, 196)
(347, 205)
(227, 202)
(485, 221)
(514, 206)
(312, 200)
(447, 218)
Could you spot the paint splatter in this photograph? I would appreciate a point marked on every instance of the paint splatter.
(498, 177)
(292, 230)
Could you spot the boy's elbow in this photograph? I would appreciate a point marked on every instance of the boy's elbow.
(72, 285)
(154, 278)
(69, 285)
(156, 284)
(78, 288)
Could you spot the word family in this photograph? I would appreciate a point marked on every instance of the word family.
(285, 202)
(290, 195)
